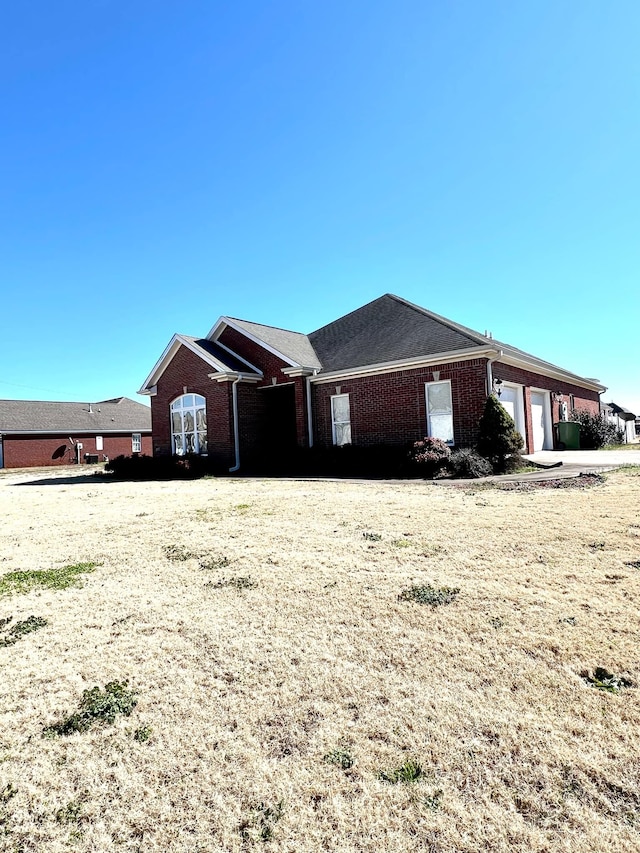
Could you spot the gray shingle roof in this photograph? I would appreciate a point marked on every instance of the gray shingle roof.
(294, 345)
(117, 415)
(386, 330)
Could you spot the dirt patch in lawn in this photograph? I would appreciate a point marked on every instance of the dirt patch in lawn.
(290, 695)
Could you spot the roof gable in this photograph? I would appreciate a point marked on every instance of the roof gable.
(218, 358)
(389, 329)
(293, 348)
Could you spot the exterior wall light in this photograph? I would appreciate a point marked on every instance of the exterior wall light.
(497, 386)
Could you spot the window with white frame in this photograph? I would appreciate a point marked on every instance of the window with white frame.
(136, 442)
(99, 443)
(189, 425)
(341, 419)
(439, 410)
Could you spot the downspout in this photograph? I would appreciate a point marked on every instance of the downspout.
(309, 412)
(490, 361)
(236, 427)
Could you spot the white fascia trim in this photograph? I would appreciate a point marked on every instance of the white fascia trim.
(149, 392)
(411, 364)
(225, 321)
(533, 365)
(299, 371)
(229, 376)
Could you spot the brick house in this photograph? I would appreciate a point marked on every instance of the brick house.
(35, 433)
(388, 373)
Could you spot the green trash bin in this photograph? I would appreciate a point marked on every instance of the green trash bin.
(568, 434)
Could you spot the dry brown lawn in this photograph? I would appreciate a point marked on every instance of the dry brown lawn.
(254, 698)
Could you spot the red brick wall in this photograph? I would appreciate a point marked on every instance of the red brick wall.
(271, 366)
(390, 408)
(25, 451)
(583, 398)
(187, 370)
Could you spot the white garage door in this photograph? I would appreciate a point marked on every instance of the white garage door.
(540, 421)
(511, 400)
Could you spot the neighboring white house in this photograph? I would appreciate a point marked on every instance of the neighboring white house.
(623, 420)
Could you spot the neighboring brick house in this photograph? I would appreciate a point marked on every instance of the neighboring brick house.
(36, 433)
(387, 373)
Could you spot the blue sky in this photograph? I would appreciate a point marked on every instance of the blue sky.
(286, 162)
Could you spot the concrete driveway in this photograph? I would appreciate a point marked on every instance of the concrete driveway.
(587, 460)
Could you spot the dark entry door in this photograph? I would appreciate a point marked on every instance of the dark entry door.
(280, 419)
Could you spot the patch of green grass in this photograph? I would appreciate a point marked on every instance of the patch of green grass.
(604, 680)
(427, 594)
(212, 563)
(235, 582)
(96, 706)
(433, 802)
(340, 757)
(242, 507)
(401, 543)
(69, 813)
(407, 773)
(372, 537)
(259, 825)
(60, 578)
(19, 629)
(178, 554)
(143, 734)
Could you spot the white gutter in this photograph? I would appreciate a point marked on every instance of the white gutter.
(309, 412)
(490, 361)
(236, 427)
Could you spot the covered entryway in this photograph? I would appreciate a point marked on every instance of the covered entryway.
(279, 426)
(511, 398)
(541, 420)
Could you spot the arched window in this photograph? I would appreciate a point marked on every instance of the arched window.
(189, 425)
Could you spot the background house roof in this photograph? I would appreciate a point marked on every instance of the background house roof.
(294, 345)
(117, 415)
(386, 330)
(623, 413)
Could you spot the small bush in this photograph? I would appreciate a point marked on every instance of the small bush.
(428, 594)
(467, 464)
(498, 439)
(430, 456)
(595, 430)
(96, 706)
(407, 773)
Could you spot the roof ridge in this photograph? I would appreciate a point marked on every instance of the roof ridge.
(268, 326)
(458, 327)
